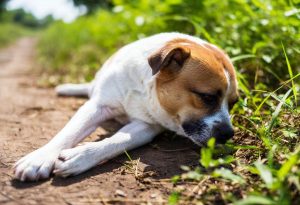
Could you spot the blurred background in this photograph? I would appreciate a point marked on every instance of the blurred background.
(76, 36)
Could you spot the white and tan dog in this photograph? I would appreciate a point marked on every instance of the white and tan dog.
(167, 81)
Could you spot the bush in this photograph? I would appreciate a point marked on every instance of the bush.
(245, 29)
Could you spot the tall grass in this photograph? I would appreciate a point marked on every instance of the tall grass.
(10, 32)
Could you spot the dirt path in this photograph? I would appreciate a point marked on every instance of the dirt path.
(30, 116)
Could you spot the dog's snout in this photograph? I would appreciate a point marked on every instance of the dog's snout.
(223, 132)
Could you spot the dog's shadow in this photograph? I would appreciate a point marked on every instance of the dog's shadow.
(163, 157)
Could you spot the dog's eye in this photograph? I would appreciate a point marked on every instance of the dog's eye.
(208, 99)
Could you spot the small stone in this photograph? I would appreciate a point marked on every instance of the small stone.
(120, 193)
(153, 195)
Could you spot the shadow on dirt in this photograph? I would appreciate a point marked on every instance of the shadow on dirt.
(163, 156)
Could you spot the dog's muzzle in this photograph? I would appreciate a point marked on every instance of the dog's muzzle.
(200, 132)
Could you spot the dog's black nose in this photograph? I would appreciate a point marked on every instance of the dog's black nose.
(222, 132)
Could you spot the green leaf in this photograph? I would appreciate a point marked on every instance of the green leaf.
(206, 157)
(277, 110)
(228, 174)
(174, 198)
(226, 160)
(185, 168)
(265, 173)
(271, 155)
(175, 179)
(192, 175)
(255, 200)
(211, 143)
(207, 153)
(287, 166)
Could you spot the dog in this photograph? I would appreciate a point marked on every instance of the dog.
(168, 81)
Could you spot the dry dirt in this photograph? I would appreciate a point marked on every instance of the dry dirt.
(30, 116)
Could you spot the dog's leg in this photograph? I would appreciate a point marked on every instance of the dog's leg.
(77, 90)
(79, 159)
(39, 163)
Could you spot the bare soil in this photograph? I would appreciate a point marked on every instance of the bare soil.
(30, 116)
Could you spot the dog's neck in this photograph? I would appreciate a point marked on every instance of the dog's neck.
(155, 110)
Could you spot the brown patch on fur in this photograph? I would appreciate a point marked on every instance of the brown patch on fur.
(172, 56)
(202, 72)
(224, 58)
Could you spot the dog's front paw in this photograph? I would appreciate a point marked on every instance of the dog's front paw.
(75, 161)
(36, 165)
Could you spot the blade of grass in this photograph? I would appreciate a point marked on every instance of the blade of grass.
(242, 82)
(290, 73)
(228, 174)
(241, 57)
(265, 173)
(287, 166)
(273, 73)
(128, 156)
(277, 110)
(269, 95)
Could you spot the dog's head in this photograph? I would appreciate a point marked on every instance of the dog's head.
(196, 85)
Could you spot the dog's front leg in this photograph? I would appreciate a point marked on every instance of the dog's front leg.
(39, 163)
(79, 159)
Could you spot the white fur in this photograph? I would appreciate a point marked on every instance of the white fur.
(124, 85)
(79, 159)
(73, 89)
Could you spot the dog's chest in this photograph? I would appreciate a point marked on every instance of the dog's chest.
(139, 100)
(135, 105)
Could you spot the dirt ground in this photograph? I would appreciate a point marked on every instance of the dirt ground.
(30, 116)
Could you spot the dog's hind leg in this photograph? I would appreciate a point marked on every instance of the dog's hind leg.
(77, 90)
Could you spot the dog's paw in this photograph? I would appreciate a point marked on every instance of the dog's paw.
(75, 161)
(36, 165)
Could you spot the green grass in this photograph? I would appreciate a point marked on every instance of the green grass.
(261, 165)
(10, 32)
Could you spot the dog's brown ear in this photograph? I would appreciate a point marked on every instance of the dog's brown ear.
(171, 57)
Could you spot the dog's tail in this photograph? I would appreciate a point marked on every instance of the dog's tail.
(77, 90)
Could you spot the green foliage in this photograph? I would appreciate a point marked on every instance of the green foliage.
(17, 23)
(228, 174)
(207, 153)
(23, 18)
(10, 32)
(213, 161)
(250, 31)
(174, 198)
(93, 5)
(20, 16)
(2, 7)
